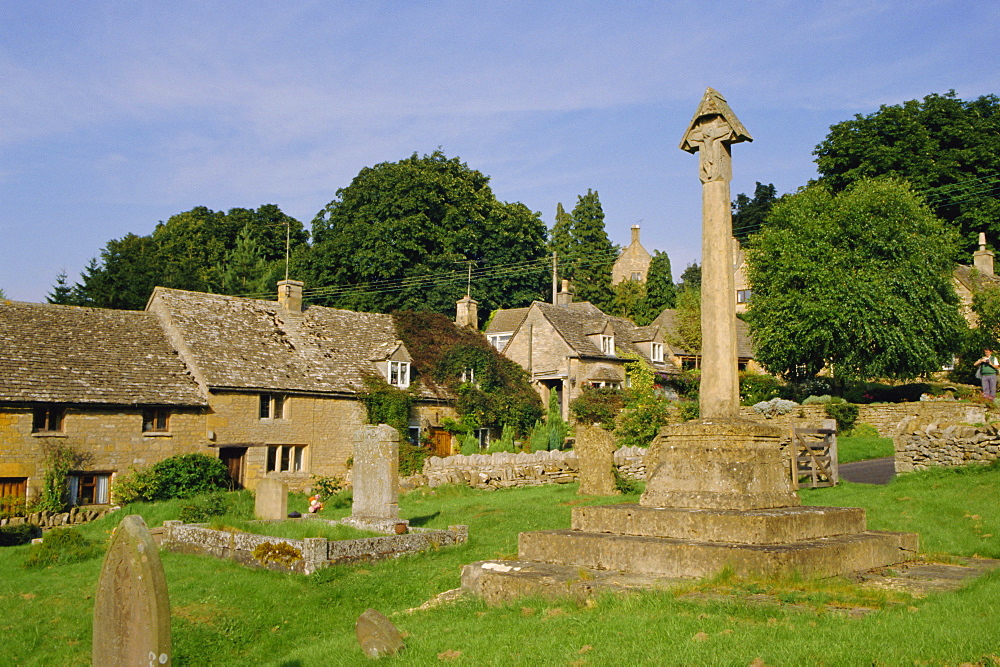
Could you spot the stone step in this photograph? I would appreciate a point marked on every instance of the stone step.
(782, 525)
(668, 557)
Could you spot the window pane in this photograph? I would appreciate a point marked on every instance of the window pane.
(297, 462)
(265, 406)
(272, 453)
(279, 406)
(284, 459)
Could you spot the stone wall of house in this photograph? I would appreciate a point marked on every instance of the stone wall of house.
(924, 442)
(111, 440)
(324, 425)
(505, 470)
(884, 417)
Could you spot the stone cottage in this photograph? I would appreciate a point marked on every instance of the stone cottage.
(567, 346)
(271, 388)
(105, 383)
(633, 263)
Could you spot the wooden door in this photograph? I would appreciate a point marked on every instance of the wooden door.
(13, 493)
(440, 442)
(233, 458)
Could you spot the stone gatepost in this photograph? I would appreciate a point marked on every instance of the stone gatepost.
(132, 607)
(271, 499)
(595, 450)
(375, 478)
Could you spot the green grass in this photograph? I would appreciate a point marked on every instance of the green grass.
(228, 615)
(862, 448)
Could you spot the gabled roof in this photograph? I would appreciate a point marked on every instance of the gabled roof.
(576, 322)
(973, 279)
(668, 320)
(238, 343)
(70, 354)
(506, 320)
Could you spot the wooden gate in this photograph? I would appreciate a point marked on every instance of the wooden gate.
(814, 457)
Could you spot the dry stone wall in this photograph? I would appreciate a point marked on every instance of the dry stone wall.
(505, 470)
(884, 417)
(76, 515)
(921, 443)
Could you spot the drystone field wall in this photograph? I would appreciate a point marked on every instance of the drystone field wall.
(921, 443)
(75, 516)
(504, 470)
(884, 417)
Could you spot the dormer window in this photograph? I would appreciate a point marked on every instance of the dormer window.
(656, 352)
(399, 374)
(608, 345)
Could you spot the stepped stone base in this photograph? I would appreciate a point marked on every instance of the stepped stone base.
(669, 557)
(781, 525)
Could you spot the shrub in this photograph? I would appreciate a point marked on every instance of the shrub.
(505, 443)
(689, 410)
(625, 485)
(776, 406)
(864, 431)
(11, 506)
(326, 486)
(598, 406)
(180, 476)
(470, 444)
(12, 536)
(59, 460)
(411, 457)
(686, 384)
(757, 387)
(62, 546)
(844, 413)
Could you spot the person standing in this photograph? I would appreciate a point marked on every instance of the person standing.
(986, 371)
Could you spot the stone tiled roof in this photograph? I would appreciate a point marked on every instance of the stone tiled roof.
(69, 354)
(973, 279)
(668, 320)
(506, 320)
(239, 343)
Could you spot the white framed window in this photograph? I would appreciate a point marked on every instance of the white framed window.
(469, 375)
(636, 276)
(272, 406)
(608, 345)
(285, 458)
(656, 352)
(499, 341)
(89, 488)
(604, 384)
(399, 374)
(743, 295)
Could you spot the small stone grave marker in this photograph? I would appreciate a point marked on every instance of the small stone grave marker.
(377, 635)
(595, 449)
(132, 607)
(271, 499)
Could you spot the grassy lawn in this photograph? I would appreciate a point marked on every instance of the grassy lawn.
(228, 615)
(862, 448)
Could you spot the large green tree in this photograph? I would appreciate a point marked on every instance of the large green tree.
(750, 214)
(858, 281)
(660, 290)
(585, 254)
(403, 234)
(198, 250)
(947, 148)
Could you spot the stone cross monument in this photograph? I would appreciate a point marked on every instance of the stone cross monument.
(712, 131)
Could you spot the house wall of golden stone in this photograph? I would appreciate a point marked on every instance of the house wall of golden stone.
(110, 440)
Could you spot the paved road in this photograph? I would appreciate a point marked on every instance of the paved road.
(872, 471)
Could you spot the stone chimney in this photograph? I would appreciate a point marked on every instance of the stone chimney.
(635, 234)
(565, 297)
(467, 312)
(290, 295)
(983, 258)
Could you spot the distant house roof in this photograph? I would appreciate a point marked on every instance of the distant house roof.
(974, 280)
(668, 320)
(577, 321)
(69, 354)
(238, 343)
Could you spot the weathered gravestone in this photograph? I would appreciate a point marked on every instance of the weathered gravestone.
(375, 479)
(132, 608)
(595, 449)
(271, 499)
(377, 635)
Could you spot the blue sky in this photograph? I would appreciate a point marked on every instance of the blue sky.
(114, 115)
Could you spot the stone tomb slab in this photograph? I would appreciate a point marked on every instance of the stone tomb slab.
(668, 557)
(782, 525)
